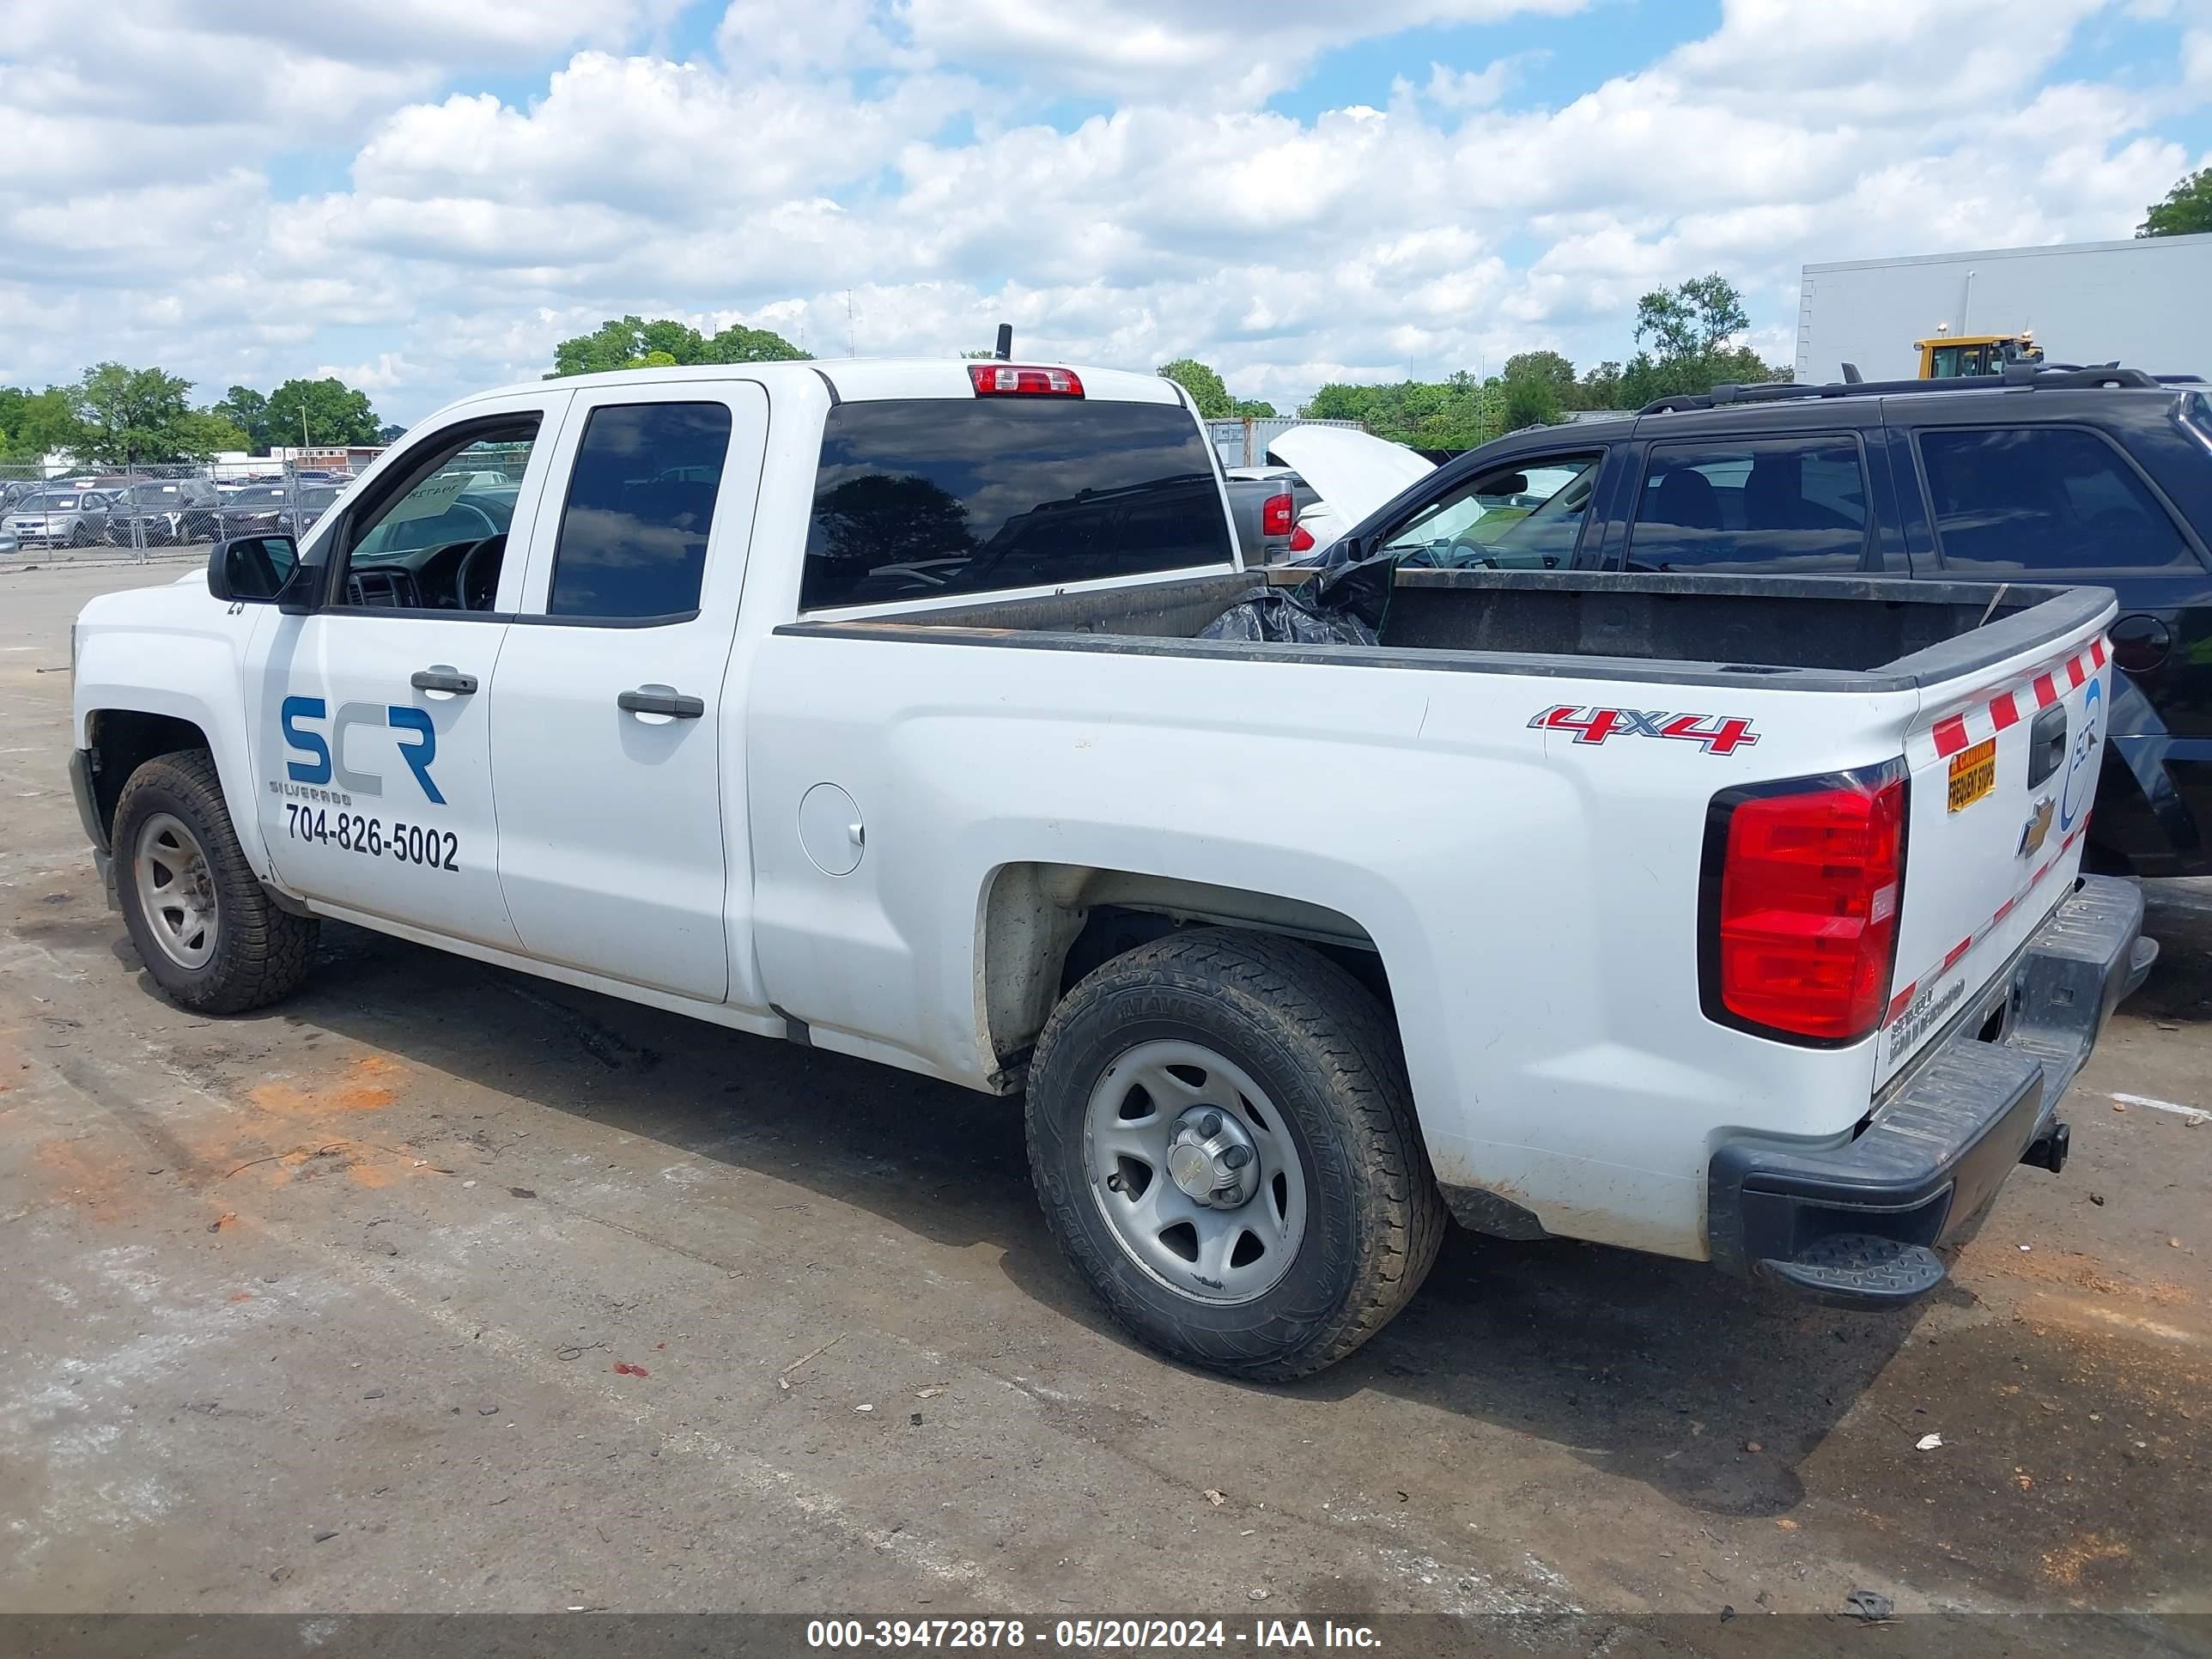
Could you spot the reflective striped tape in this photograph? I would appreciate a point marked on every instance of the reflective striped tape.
(1903, 999)
(1993, 711)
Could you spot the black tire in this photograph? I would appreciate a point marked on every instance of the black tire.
(1325, 1052)
(260, 953)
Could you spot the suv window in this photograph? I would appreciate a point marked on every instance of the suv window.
(1780, 505)
(641, 501)
(2042, 498)
(921, 497)
(1524, 516)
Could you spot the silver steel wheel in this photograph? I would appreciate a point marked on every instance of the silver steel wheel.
(176, 890)
(1195, 1171)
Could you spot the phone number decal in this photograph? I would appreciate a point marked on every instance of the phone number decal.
(372, 837)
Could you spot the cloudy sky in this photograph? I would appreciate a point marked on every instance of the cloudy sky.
(423, 196)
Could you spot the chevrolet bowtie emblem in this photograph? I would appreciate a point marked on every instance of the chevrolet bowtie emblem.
(2036, 827)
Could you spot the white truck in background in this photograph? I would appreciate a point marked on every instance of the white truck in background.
(875, 707)
(2139, 303)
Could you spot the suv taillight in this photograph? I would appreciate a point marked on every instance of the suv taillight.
(1799, 910)
(1275, 516)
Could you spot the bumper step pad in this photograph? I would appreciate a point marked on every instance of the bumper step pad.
(1857, 1270)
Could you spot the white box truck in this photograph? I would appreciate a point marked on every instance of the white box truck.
(2141, 302)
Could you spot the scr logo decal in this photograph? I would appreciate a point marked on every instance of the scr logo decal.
(1716, 734)
(324, 758)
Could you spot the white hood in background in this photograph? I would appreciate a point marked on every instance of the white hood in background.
(1354, 472)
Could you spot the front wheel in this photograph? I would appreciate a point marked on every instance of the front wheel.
(204, 927)
(1223, 1138)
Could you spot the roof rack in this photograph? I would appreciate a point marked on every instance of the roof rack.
(2060, 377)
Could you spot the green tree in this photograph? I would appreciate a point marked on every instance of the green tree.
(44, 421)
(1337, 400)
(335, 413)
(248, 410)
(1257, 408)
(1600, 387)
(2186, 210)
(631, 343)
(203, 433)
(1204, 386)
(130, 415)
(739, 345)
(1530, 400)
(1548, 367)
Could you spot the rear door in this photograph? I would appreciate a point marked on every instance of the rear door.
(2003, 767)
(608, 734)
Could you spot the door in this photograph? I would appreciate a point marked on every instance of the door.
(370, 708)
(606, 725)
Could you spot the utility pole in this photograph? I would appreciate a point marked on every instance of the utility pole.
(849, 350)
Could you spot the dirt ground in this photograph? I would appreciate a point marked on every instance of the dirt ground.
(442, 1287)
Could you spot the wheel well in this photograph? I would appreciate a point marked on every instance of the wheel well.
(124, 739)
(1046, 926)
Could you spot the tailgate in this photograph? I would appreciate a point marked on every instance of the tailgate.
(2003, 769)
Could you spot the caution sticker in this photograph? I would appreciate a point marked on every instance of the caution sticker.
(1974, 774)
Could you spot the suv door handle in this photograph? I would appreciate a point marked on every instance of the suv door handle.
(659, 700)
(442, 678)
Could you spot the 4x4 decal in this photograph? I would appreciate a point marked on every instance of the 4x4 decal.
(1716, 734)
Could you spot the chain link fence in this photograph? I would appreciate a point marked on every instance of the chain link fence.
(51, 515)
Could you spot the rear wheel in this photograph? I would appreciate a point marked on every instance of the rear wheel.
(1223, 1139)
(205, 929)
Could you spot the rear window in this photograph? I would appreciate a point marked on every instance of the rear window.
(917, 498)
(2042, 499)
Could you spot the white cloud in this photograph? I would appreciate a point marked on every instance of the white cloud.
(900, 150)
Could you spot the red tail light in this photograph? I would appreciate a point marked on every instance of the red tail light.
(1802, 884)
(1275, 516)
(1302, 540)
(1008, 380)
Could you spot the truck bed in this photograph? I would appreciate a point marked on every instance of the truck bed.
(1805, 632)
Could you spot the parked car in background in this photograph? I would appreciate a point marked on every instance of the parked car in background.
(263, 509)
(164, 513)
(2094, 477)
(59, 518)
(1350, 472)
(1264, 502)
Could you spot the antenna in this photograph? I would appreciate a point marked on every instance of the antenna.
(1005, 346)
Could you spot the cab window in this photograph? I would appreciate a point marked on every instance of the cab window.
(632, 540)
(1522, 515)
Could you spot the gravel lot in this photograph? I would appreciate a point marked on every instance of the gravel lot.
(442, 1287)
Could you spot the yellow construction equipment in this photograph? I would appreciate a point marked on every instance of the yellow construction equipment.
(1949, 355)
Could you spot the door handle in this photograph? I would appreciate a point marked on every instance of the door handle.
(670, 703)
(442, 679)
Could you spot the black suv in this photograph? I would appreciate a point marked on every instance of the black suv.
(2097, 476)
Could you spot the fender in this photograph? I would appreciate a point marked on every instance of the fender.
(150, 667)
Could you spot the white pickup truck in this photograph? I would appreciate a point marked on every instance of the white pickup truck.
(864, 705)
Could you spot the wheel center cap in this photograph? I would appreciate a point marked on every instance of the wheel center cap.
(1210, 1157)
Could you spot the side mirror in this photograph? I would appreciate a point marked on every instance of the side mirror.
(253, 569)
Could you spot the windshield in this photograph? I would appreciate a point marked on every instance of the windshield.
(51, 504)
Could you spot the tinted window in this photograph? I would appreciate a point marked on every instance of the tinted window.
(925, 496)
(633, 532)
(1525, 515)
(1788, 506)
(2042, 498)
